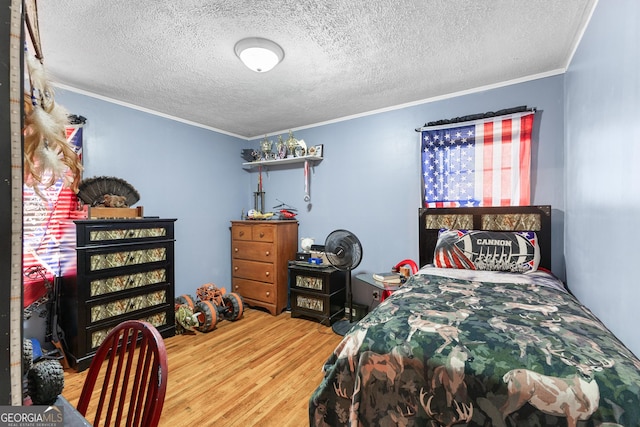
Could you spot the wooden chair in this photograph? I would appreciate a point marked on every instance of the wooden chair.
(127, 378)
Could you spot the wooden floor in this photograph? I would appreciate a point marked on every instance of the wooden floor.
(259, 370)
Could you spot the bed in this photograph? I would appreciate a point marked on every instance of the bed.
(458, 345)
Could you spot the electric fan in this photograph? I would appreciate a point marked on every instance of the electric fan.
(344, 251)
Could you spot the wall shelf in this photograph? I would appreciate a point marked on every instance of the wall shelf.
(286, 161)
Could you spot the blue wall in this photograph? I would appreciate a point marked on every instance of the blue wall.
(180, 171)
(602, 92)
(368, 182)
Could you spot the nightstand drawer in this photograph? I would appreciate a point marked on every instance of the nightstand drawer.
(325, 280)
(255, 251)
(262, 271)
(325, 308)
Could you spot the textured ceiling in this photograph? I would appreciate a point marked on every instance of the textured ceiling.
(342, 57)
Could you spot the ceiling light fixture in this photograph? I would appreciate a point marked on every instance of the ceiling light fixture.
(259, 54)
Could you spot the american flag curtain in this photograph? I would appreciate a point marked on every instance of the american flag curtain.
(484, 162)
(44, 230)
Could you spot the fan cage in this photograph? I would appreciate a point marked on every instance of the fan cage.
(343, 249)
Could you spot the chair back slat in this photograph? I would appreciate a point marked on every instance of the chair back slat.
(127, 379)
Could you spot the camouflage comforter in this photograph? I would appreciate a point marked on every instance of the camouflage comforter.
(479, 349)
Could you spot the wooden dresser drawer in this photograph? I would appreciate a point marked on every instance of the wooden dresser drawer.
(241, 232)
(254, 270)
(263, 233)
(255, 251)
(259, 291)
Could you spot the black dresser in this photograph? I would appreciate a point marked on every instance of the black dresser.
(124, 270)
(317, 292)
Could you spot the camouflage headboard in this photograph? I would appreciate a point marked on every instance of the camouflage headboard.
(502, 218)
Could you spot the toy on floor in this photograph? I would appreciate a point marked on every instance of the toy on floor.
(43, 376)
(212, 305)
(186, 319)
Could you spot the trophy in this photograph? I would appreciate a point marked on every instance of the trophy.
(292, 143)
(266, 146)
(281, 147)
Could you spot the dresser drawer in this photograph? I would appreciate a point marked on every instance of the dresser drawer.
(255, 251)
(126, 303)
(242, 232)
(138, 279)
(263, 233)
(158, 317)
(259, 291)
(109, 259)
(100, 233)
(253, 270)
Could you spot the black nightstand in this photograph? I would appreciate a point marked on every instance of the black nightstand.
(317, 292)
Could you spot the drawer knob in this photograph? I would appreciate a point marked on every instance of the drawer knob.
(267, 253)
(261, 234)
(235, 249)
(237, 287)
(235, 268)
(266, 274)
(241, 233)
(268, 293)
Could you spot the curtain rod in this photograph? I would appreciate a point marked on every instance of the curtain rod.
(488, 114)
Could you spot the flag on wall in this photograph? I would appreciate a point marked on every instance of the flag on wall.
(44, 228)
(484, 162)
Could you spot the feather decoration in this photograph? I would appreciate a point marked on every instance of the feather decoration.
(48, 156)
(92, 191)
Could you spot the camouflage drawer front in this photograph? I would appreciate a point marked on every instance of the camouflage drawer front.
(315, 283)
(128, 281)
(127, 305)
(310, 303)
(122, 234)
(121, 259)
(511, 222)
(157, 320)
(452, 221)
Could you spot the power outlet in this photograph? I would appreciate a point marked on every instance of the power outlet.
(376, 296)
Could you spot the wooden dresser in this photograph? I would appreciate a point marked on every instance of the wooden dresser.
(260, 252)
(124, 270)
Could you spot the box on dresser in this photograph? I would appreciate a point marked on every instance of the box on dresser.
(260, 252)
(124, 270)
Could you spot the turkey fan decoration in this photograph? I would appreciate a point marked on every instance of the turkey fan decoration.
(107, 191)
